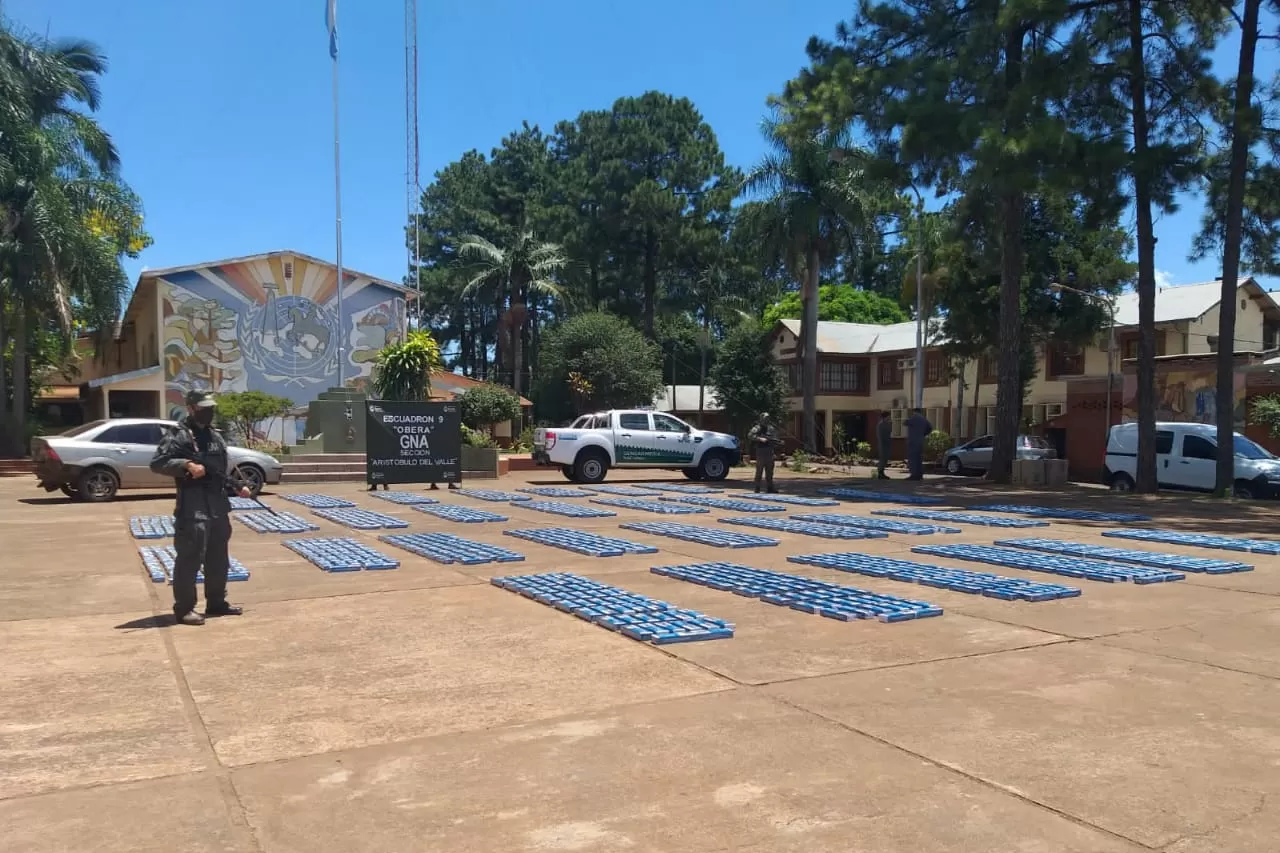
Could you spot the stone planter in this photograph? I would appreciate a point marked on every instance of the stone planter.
(479, 462)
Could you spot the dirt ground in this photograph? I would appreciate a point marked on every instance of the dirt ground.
(424, 710)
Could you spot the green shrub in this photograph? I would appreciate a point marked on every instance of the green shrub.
(477, 438)
(936, 443)
(862, 450)
(799, 462)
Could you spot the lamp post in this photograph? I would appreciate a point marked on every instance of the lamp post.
(1058, 287)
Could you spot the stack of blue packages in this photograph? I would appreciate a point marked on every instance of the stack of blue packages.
(581, 542)
(956, 580)
(158, 560)
(404, 498)
(636, 616)
(555, 492)
(463, 514)
(340, 555)
(1071, 567)
(961, 517)
(649, 505)
(702, 535)
(492, 495)
(1063, 514)
(883, 524)
(1124, 555)
(448, 549)
(567, 510)
(1199, 540)
(314, 501)
(808, 595)
(882, 497)
(361, 519)
(151, 526)
(807, 528)
(684, 488)
(793, 500)
(626, 491)
(730, 504)
(274, 522)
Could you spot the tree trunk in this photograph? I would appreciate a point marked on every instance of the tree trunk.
(702, 370)
(957, 429)
(4, 383)
(19, 419)
(650, 281)
(1009, 373)
(809, 351)
(1146, 466)
(1243, 133)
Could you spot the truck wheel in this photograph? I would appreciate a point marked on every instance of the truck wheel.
(567, 470)
(1122, 482)
(591, 466)
(691, 473)
(714, 466)
(1244, 490)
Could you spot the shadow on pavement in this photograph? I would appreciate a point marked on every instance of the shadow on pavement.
(162, 621)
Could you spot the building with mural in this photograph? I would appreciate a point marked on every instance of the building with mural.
(267, 322)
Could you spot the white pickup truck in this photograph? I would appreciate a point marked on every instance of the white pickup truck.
(586, 449)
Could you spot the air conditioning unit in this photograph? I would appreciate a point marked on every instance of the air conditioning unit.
(1054, 410)
(906, 364)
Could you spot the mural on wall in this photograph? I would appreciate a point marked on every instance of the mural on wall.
(272, 325)
(1186, 395)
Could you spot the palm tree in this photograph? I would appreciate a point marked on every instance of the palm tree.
(525, 268)
(814, 194)
(66, 216)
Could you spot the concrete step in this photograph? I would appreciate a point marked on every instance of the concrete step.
(16, 468)
(324, 469)
(322, 476)
(307, 458)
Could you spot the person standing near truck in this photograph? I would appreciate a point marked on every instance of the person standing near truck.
(195, 455)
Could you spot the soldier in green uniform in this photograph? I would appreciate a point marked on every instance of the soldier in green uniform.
(764, 438)
(195, 455)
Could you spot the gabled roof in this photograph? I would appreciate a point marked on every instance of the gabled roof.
(409, 292)
(1187, 301)
(1174, 304)
(860, 338)
(447, 386)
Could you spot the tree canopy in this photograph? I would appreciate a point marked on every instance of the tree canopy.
(840, 303)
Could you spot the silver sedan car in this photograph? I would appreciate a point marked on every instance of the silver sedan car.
(94, 461)
(976, 454)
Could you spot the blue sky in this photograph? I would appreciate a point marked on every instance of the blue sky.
(222, 110)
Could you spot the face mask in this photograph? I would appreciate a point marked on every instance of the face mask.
(203, 417)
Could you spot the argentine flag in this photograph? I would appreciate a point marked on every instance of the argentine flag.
(331, 23)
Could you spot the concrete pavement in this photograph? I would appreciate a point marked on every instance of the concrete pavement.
(423, 709)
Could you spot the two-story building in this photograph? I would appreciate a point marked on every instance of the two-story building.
(866, 369)
(268, 322)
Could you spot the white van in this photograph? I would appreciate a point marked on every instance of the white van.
(1186, 458)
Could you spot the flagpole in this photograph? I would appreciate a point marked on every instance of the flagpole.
(337, 200)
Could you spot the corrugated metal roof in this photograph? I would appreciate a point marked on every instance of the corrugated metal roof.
(1173, 304)
(860, 338)
(1181, 302)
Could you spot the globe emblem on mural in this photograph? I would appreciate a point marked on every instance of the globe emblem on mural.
(291, 338)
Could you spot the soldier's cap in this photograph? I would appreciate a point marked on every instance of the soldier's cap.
(200, 399)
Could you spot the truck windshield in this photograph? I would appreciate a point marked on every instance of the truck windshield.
(1248, 449)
